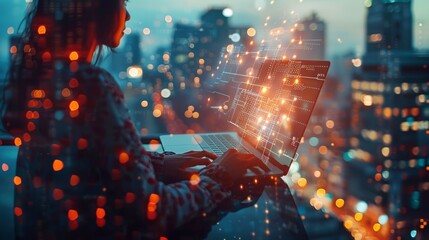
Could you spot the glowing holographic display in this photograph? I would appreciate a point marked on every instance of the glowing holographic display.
(271, 101)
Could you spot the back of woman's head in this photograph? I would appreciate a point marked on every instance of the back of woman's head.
(58, 35)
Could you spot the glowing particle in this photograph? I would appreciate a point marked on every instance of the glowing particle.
(17, 141)
(72, 215)
(123, 157)
(4, 167)
(168, 19)
(73, 56)
(227, 12)
(57, 165)
(157, 113)
(154, 198)
(74, 105)
(146, 31)
(100, 213)
(251, 32)
(302, 182)
(376, 227)
(144, 103)
(127, 30)
(66, 92)
(195, 179)
(41, 30)
(358, 216)
(339, 203)
(165, 93)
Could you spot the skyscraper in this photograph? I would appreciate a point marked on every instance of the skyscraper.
(388, 163)
(309, 38)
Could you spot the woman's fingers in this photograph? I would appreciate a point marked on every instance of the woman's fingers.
(202, 154)
(196, 161)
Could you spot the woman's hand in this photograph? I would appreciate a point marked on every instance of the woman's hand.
(175, 165)
(236, 164)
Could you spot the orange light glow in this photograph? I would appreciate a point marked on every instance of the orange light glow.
(17, 180)
(151, 207)
(154, 198)
(38, 93)
(339, 203)
(123, 158)
(41, 30)
(73, 215)
(66, 92)
(74, 180)
(100, 213)
(17, 141)
(4, 167)
(13, 49)
(57, 165)
(74, 105)
(73, 56)
(195, 179)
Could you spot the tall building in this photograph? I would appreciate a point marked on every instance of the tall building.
(196, 49)
(388, 163)
(309, 38)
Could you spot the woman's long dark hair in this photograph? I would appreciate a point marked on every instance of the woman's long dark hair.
(55, 33)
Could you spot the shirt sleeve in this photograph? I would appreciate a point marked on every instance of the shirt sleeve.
(132, 168)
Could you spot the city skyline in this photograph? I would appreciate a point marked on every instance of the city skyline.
(345, 28)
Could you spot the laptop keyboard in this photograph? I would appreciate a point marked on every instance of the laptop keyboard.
(219, 143)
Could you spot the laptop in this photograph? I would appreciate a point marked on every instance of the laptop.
(266, 116)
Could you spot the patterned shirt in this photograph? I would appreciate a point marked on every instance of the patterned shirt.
(83, 174)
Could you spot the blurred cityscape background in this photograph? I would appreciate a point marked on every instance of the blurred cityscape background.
(364, 159)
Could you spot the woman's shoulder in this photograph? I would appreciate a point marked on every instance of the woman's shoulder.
(94, 77)
(92, 72)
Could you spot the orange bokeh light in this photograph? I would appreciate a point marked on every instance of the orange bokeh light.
(72, 215)
(41, 30)
(100, 213)
(57, 165)
(17, 141)
(73, 56)
(195, 179)
(123, 158)
(17, 180)
(74, 180)
(73, 106)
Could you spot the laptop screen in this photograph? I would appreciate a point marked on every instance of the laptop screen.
(272, 110)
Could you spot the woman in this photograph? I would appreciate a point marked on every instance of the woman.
(82, 172)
